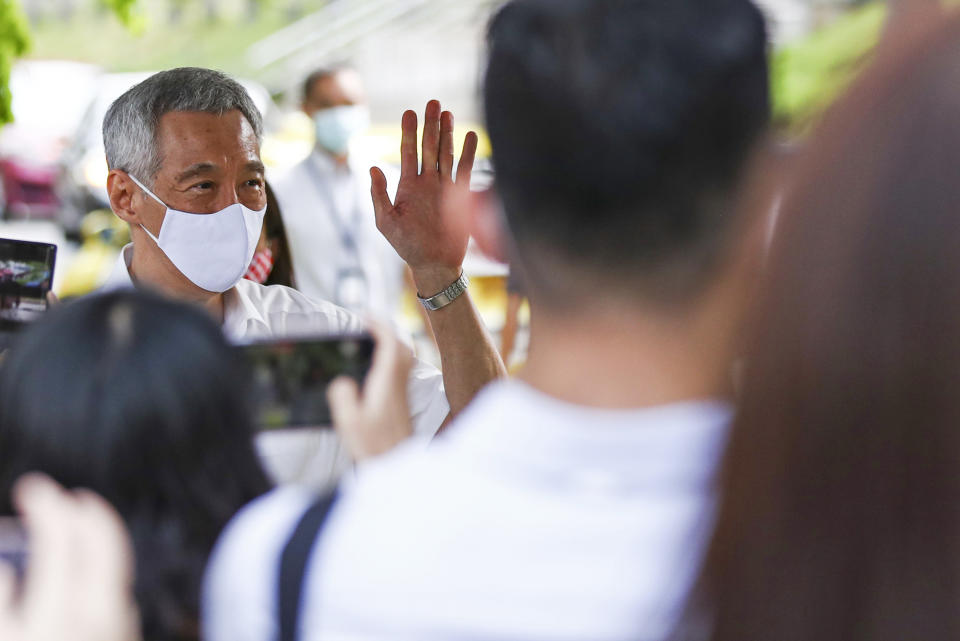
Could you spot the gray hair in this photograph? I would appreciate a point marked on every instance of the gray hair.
(130, 126)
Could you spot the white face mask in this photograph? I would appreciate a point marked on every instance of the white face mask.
(212, 250)
(336, 126)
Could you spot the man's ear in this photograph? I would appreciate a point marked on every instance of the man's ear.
(121, 190)
(486, 224)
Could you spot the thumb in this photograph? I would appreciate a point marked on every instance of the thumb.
(343, 394)
(378, 191)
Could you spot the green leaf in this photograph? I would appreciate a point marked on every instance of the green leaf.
(14, 42)
(129, 12)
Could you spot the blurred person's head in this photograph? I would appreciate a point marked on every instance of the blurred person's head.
(187, 141)
(141, 400)
(620, 134)
(334, 99)
(840, 516)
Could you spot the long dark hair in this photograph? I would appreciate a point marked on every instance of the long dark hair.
(282, 272)
(140, 399)
(840, 510)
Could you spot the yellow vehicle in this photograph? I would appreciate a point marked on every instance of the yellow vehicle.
(103, 235)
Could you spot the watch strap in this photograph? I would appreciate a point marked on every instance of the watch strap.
(452, 292)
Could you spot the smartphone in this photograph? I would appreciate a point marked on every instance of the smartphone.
(13, 546)
(26, 275)
(290, 376)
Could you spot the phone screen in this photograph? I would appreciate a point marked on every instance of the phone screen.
(290, 377)
(26, 275)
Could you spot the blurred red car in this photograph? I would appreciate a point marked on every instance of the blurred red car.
(48, 102)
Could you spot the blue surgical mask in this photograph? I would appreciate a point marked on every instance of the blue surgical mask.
(336, 126)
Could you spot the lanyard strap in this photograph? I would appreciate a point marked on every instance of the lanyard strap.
(348, 230)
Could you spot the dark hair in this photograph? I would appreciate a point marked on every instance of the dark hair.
(619, 132)
(141, 400)
(840, 515)
(282, 272)
(320, 74)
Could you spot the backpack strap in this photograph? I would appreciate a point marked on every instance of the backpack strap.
(293, 565)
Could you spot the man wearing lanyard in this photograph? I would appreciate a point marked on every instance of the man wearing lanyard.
(338, 254)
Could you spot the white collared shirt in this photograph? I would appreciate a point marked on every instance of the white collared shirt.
(528, 519)
(314, 457)
(319, 202)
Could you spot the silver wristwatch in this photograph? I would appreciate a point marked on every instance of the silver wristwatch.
(447, 296)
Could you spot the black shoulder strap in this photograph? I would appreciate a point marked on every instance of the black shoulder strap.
(293, 564)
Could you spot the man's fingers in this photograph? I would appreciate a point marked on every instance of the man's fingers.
(408, 144)
(446, 145)
(392, 361)
(431, 137)
(378, 192)
(344, 398)
(467, 156)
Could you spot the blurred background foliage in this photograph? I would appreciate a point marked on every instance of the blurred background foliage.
(807, 75)
(136, 35)
(122, 35)
(14, 42)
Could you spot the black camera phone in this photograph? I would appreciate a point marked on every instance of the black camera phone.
(290, 376)
(26, 276)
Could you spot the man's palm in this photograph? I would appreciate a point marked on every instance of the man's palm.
(421, 232)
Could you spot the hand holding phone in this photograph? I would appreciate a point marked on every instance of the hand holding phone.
(374, 420)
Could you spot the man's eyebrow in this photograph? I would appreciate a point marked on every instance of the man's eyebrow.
(199, 169)
(255, 166)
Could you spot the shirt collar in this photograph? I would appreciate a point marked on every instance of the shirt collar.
(241, 315)
(119, 277)
(517, 429)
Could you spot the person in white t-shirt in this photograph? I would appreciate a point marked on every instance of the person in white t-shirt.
(337, 252)
(573, 503)
(183, 148)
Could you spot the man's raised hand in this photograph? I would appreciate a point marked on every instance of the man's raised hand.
(433, 242)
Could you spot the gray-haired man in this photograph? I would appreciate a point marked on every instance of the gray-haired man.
(183, 148)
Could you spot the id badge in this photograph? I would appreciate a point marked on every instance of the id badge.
(353, 292)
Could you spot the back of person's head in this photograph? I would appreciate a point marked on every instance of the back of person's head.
(141, 400)
(620, 129)
(840, 517)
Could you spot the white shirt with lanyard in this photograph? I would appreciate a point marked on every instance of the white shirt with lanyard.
(338, 253)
